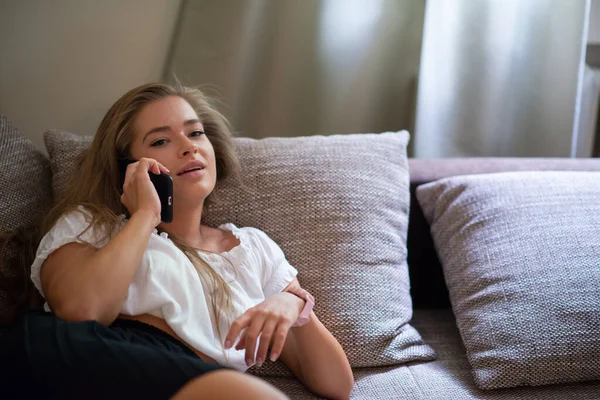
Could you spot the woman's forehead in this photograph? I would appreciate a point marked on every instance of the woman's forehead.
(171, 110)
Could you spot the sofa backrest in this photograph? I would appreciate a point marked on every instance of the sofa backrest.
(427, 282)
(428, 288)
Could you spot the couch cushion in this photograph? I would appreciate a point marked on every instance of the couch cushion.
(63, 148)
(25, 179)
(521, 258)
(26, 195)
(427, 285)
(338, 207)
(448, 377)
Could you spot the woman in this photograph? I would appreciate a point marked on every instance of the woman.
(142, 307)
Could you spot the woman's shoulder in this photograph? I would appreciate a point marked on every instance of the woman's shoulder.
(79, 221)
(82, 214)
(85, 215)
(73, 218)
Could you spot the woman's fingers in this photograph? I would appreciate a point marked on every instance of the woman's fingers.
(265, 340)
(129, 173)
(151, 165)
(265, 322)
(160, 169)
(240, 323)
(251, 336)
(279, 339)
(242, 342)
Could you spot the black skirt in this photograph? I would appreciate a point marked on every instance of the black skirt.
(49, 358)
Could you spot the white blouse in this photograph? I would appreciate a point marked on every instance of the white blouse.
(167, 285)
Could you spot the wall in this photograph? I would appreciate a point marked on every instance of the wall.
(594, 32)
(64, 63)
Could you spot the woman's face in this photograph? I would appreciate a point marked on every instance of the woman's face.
(168, 130)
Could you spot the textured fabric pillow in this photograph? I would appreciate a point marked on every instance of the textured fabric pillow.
(63, 149)
(26, 195)
(338, 207)
(521, 258)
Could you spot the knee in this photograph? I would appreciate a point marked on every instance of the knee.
(224, 384)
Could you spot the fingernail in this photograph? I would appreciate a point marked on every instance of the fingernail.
(274, 356)
(227, 343)
(168, 170)
(248, 362)
(259, 361)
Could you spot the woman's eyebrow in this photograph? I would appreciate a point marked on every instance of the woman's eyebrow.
(167, 128)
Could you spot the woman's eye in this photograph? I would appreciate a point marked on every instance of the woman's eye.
(158, 143)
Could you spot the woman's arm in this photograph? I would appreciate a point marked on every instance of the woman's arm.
(316, 357)
(318, 360)
(310, 351)
(84, 283)
(81, 282)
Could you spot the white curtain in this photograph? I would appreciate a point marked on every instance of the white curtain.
(295, 68)
(501, 78)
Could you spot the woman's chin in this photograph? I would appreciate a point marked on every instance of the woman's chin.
(191, 198)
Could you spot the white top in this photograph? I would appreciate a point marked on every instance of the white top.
(167, 285)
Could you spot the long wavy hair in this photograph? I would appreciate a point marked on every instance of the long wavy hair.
(97, 184)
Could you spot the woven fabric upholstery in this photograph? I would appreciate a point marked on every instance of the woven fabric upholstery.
(338, 207)
(25, 179)
(521, 258)
(63, 149)
(447, 378)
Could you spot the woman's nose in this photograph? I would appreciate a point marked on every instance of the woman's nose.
(188, 147)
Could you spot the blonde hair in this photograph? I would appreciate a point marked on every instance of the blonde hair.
(97, 184)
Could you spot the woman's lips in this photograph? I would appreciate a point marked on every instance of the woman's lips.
(194, 173)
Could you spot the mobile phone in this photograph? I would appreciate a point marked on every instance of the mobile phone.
(163, 184)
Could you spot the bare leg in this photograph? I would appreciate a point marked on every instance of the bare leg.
(227, 384)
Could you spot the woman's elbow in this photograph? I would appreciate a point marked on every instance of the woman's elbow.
(345, 391)
(347, 388)
(341, 390)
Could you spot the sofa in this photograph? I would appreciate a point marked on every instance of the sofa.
(438, 366)
(449, 376)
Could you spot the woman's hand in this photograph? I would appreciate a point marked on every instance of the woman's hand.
(138, 191)
(271, 319)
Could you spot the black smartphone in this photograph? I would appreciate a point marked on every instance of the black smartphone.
(163, 184)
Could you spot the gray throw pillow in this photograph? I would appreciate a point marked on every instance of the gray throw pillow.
(25, 194)
(338, 207)
(63, 149)
(521, 259)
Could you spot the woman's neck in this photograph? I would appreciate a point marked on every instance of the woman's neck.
(186, 225)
